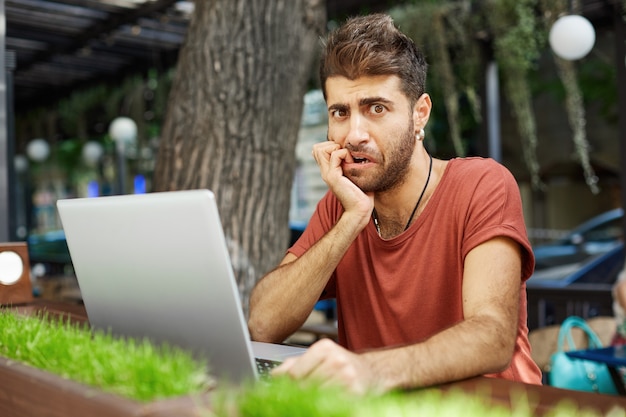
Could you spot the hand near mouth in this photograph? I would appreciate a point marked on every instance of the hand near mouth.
(330, 157)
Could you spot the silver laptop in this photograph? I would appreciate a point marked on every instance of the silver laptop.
(156, 265)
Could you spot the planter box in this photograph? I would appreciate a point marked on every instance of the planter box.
(29, 392)
(26, 391)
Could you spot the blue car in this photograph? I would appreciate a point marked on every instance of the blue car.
(594, 237)
(596, 269)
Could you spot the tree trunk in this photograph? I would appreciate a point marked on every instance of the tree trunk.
(233, 118)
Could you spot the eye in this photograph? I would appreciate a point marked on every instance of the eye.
(338, 113)
(377, 108)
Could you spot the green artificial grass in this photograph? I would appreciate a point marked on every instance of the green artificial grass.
(135, 369)
(284, 397)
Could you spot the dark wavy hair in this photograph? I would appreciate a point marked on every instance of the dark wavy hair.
(372, 45)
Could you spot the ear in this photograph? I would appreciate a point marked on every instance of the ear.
(15, 285)
(421, 112)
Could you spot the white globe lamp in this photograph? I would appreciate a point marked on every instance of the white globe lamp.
(123, 130)
(20, 162)
(92, 152)
(38, 150)
(572, 37)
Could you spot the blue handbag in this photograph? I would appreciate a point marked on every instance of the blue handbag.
(579, 374)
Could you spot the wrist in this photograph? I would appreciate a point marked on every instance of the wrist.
(382, 378)
(355, 220)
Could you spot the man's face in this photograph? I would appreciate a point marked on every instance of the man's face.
(371, 118)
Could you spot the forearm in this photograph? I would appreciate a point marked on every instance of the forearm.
(473, 347)
(283, 299)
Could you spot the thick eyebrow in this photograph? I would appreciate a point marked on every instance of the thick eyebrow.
(337, 107)
(366, 101)
(372, 100)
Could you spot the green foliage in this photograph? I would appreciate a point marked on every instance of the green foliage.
(74, 111)
(441, 30)
(284, 397)
(517, 39)
(455, 34)
(592, 76)
(86, 113)
(516, 35)
(136, 369)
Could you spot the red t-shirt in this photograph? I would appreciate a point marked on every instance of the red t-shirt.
(403, 290)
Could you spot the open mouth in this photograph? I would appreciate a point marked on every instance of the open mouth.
(360, 160)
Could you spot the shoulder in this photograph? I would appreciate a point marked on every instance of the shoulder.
(478, 165)
(482, 173)
(490, 205)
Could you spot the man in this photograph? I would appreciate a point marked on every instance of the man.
(427, 258)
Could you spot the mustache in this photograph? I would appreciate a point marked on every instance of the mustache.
(359, 148)
(351, 147)
(362, 149)
(364, 152)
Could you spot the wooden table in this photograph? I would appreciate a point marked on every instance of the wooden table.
(542, 398)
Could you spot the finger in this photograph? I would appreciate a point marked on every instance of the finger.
(328, 374)
(304, 365)
(284, 367)
(325, 147)
(344, 373)
(322, 151)
(297, 368)
(339, 156)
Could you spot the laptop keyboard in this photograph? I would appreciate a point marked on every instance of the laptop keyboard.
(264, 366)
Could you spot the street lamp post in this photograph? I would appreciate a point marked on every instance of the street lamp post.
(22, 186)
(123, 131)
(38, 151)
(92, 153)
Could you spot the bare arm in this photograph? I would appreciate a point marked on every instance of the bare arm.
(283, 299)
(482, 343)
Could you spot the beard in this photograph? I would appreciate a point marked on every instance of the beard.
(395, 166)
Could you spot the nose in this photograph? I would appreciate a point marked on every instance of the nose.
(357, 131)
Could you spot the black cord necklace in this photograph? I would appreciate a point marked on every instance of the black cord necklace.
(419, 200)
